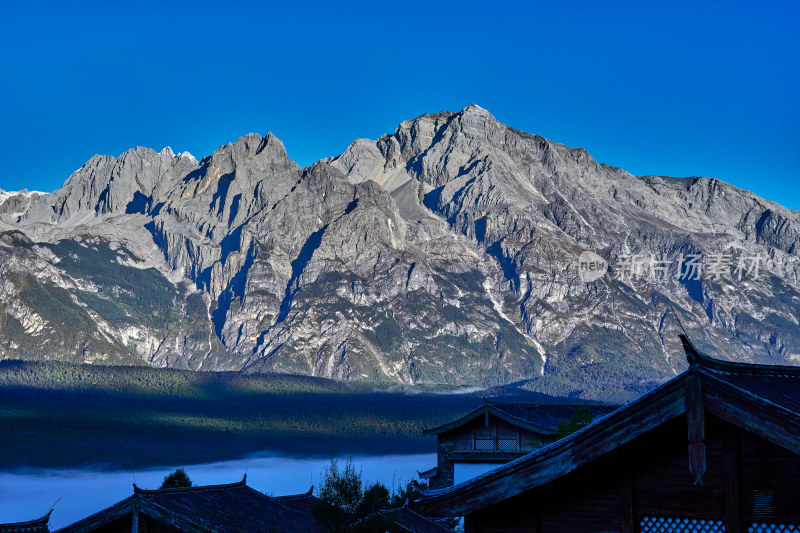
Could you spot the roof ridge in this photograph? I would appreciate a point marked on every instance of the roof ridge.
(702, 360)
(541, 404)
(396, 509)
(201, 488)
(30, 523)
(284, 501)
(561, 404)
(502, 409)
(306, 494)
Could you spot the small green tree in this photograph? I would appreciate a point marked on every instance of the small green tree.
(582, 416)
(340, 495)
(376, 497)
(176, 480)
(346, 504)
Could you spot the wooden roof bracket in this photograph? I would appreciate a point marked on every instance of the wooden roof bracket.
(695, 414)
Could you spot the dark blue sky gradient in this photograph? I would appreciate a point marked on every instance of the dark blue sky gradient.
(673, 88)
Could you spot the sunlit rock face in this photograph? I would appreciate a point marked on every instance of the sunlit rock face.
(455, 250)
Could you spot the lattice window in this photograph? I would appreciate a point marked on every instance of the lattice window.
(759, 527)
(483, 445)
(508, 444)
(660, 524)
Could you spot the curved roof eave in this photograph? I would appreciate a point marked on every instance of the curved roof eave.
(36, 522)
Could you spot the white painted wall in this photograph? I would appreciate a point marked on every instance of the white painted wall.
(465, 471)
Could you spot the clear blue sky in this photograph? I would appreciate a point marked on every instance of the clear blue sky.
(656, 88)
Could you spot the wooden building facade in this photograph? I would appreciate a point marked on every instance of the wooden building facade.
(495, 433)
(715, 449)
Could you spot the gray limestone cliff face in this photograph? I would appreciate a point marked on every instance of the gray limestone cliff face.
(449, 251)
(103, 185)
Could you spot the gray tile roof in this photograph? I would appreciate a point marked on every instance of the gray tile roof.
(230, 508)
(542, 418)
(38, 525)
(406, 520)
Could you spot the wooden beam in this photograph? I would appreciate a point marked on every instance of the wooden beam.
(695, 418)
(627, 523)
(733, 505)
(135, 516)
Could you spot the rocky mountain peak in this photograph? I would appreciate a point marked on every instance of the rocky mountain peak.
(246, 144)
(268, 150)
(448, 251)
(476, 112)
(271, 144)
(188, 155)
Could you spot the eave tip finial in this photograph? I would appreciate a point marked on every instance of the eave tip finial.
(688, 347)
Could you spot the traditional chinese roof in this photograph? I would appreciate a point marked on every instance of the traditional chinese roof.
(38, 525)
(762, 399)
(404, 520)
(302, 503)
(232, 507)
(540, 418)
(427, 474)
